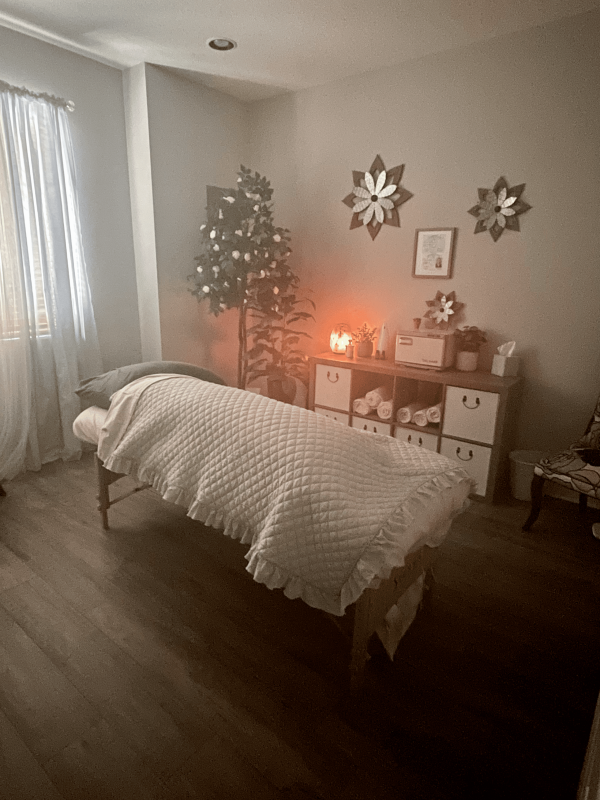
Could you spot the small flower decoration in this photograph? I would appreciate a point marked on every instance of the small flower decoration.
(376, 197)
(499, 208)
(442, 307)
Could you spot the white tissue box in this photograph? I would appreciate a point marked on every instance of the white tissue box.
(505, 365)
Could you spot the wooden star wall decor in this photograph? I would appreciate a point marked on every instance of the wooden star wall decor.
(442, 307)
(499, 208)
(376, 197)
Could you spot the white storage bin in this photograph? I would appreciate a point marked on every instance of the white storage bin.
(332, 387)
(420, 438)
(362, 424)
(470, 414)
(474, 458)
(338, 416)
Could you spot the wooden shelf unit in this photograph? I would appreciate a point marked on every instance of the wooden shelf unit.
(477, 410)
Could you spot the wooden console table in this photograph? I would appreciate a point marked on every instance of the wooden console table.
(477, 409)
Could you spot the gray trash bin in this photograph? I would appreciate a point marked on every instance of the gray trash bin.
(522, 463)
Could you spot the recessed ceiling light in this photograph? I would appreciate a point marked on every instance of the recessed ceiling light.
(222, 44)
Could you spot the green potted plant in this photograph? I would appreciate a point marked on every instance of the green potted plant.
(275, 309)
(468, 343)
(363, 339)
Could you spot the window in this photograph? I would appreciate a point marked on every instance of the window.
(48, 336)
(17, 324)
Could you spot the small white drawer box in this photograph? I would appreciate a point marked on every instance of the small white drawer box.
(474, 458)
(429, 441)
(338, 416)
(470, 414)
(362, 424)
(332, 387)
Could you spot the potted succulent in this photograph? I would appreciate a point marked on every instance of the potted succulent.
(363, 339)
(468, 342)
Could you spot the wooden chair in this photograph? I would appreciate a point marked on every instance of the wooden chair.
(577, 468)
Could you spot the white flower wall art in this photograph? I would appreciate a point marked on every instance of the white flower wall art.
(498, 209)
(376, 197)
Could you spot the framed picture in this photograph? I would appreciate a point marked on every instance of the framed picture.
(434, 251)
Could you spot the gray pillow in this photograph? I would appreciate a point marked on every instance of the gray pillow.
(97, 391)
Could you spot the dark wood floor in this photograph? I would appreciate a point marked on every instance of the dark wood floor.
(144, 662)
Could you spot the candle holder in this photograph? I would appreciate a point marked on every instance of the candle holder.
(340, 338)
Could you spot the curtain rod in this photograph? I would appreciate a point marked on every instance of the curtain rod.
(50, 98)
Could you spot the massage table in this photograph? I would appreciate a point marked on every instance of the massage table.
(345, 520)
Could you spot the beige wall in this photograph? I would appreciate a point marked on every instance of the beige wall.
(523, 106)
(98, 131)
(198, 137)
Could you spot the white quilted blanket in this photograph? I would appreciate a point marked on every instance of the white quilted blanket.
(326, 508)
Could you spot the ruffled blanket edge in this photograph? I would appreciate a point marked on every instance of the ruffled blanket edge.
(380, 556)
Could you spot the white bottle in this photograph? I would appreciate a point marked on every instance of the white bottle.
(381, 341)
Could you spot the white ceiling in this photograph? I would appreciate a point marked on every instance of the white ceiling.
(283, 45)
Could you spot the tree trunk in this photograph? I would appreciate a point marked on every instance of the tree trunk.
(242, 339)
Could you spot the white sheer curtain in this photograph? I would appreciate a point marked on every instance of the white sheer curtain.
(48, 336)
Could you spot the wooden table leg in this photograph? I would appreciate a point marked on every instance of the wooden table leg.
(537, 492)
(103, 493)
(361, 633)
(428, 587)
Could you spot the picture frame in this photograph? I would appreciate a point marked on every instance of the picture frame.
(434, 252)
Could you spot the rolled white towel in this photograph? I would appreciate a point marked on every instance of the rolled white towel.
(405, 413)
(384, 410)
(360, 406)
(434, 413)
(420, 417)
(377, 396)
